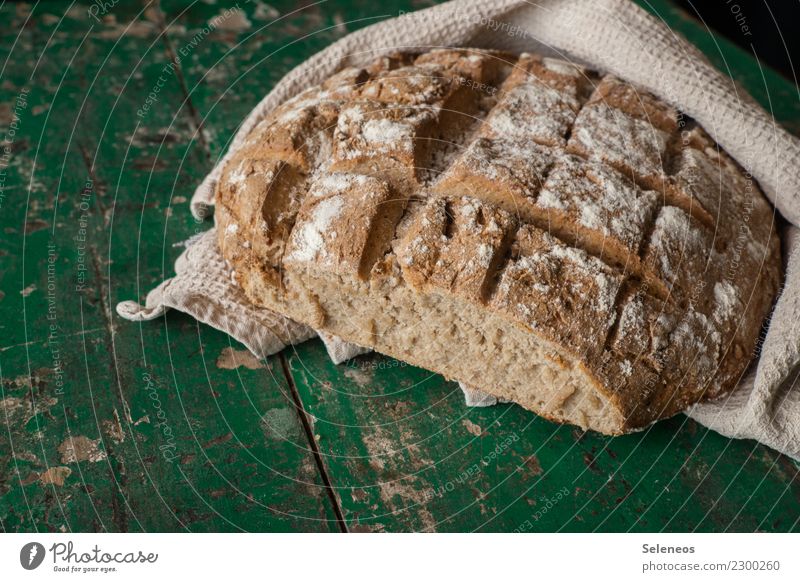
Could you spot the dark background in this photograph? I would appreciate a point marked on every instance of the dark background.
(772, 30)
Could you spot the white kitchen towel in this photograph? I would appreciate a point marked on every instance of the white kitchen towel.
(614, 36)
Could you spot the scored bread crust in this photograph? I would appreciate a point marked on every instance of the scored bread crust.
(520, 224)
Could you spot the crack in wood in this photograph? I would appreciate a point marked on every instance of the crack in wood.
(312, 443)
(187, 99)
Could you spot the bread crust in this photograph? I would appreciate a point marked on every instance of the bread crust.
(520, 224)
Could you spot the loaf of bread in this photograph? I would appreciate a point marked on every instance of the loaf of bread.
(547, 234)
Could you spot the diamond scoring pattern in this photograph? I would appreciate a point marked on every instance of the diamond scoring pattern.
(571, 203)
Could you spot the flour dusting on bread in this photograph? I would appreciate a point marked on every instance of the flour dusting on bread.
(550, 235)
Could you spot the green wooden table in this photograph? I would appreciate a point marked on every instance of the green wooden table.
(107, 425)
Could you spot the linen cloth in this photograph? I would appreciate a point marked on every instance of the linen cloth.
(614, 36)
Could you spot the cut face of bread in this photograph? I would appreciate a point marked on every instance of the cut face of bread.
(519, 224)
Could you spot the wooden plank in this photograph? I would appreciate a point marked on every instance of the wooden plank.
(404, 453)
(45, 414)
(248, 47)
(174, 437)
(407, 460)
